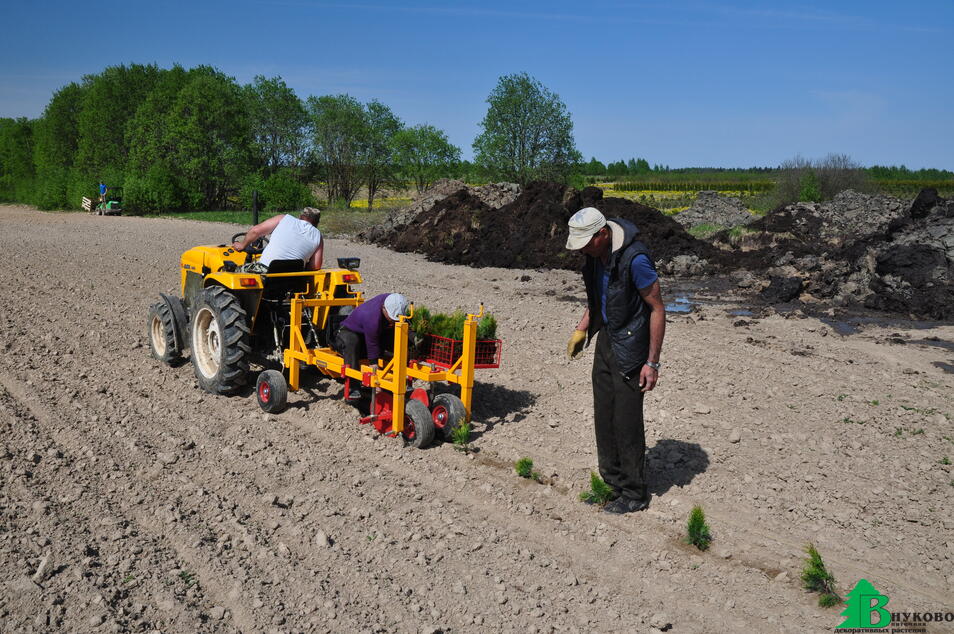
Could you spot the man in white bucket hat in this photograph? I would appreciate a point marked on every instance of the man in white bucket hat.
(365, 332)
(625, 308)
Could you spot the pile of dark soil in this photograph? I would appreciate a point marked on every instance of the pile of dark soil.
(531, 231)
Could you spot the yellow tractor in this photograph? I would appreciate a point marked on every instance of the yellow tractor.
(229, 318)
(285, 320)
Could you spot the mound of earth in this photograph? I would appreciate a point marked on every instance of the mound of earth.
(871, 251)
(531, 231)
(909, 269)
(493, 195)
(813, 228)
(711, 208)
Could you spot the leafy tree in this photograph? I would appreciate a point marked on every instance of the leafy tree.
(282, 192)
(56, 139)
(209, 139)
(110, 100)
(339, 129)
(423, 154)
(279, 123)
(527, 133)
(809, 192)
(642, 166)
(377, 151)
(16, 159)
(595, 168)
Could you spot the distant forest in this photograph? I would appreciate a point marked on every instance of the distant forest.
(179, 140)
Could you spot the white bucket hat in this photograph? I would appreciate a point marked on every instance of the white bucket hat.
(396, 305)
(583, 225)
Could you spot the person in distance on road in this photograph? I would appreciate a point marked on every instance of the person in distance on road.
(625, 308)
(364, 333)
(290, 239)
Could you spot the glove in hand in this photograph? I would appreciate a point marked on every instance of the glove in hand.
(574, 349)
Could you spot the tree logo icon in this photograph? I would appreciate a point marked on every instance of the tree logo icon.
(864, 607)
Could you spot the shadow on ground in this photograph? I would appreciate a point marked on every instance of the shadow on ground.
(498, 405)
(674, 463)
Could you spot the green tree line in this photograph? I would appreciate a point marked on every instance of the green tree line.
(187, 139)
(184, 139)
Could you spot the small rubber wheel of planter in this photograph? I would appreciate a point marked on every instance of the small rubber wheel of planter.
(272, 391)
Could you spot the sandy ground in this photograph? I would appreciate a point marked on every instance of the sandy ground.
(131, 501)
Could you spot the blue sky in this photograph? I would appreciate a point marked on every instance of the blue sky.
(729, 84)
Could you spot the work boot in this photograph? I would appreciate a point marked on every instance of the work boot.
(354, 393)
(626, 505)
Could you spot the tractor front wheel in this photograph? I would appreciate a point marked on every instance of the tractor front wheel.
(220, 341)
(161, 328)
(272, 391)
(418, 425)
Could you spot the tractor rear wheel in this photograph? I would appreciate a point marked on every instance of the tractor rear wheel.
(448, 413)
(272, 391)
(161, 329)
(418, 425)
(220, 341)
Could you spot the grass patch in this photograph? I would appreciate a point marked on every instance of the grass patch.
(697, 531)
(599, 493)
(334, 221)
(817, 578)
(705, 230)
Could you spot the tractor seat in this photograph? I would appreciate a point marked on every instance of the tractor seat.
(280, 288)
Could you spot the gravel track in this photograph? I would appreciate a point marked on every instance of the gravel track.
(131, 501)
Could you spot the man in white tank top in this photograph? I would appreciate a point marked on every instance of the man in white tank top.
(290, 239)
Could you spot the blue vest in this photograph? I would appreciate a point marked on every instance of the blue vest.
(627, 315)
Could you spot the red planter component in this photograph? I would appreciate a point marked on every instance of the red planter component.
(445, 352)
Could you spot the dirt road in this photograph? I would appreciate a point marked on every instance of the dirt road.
(131, 501)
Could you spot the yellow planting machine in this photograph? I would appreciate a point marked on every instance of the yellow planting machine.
(285, 320)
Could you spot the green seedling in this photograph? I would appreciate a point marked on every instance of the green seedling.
(815, 577)
(841, 397)
(188, 578)
(917, 432)
(128, 579)
(697, 530)
(898, 432)
(848, 419)
(524, 467)
(945, 460)
(460, 436)
(600, 493)
(873, 403)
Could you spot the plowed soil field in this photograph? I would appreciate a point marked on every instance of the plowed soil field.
(131, 501)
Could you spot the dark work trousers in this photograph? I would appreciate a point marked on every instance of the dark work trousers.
(350, 345)
(618, 412)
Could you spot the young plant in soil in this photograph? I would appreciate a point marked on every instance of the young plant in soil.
(600, 493)
(697, 531)
(815, 577)
(460, 436)
(524, 469)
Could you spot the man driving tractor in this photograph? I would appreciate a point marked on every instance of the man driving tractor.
(290, 238)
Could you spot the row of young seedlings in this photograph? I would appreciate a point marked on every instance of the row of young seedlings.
(815, 575)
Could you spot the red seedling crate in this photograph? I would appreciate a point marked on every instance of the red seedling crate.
(445, 352)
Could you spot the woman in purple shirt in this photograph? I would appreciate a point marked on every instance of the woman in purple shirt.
(364, 331)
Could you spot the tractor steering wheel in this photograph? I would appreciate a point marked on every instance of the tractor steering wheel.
(254, 248)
